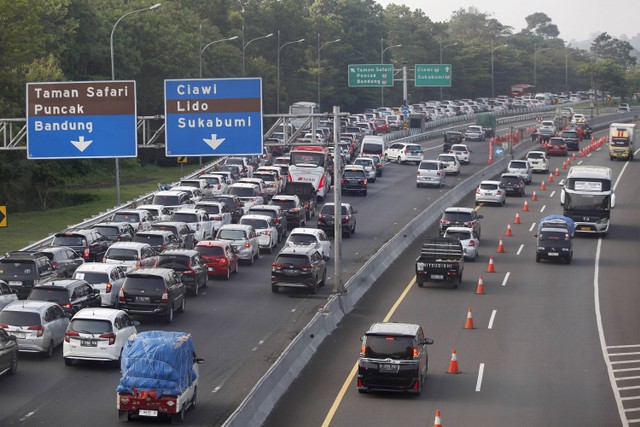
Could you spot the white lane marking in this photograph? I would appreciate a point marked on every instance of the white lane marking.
(215, 390)
(293, 310)
(561, 183)
(580, 162)
(552, 193)
(506, 277)
(259, 344)
(520, 249)
(480, 374)
(543, 208)
(589, 155)
(624, 346)
(27, 416)
(492, 319)
(532, 226)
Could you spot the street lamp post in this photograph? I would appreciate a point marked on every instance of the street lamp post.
(244, 45)
(278, 72)
(566, 67)
(535, 71)
(493, 49)
(320, 47)
(382, 51)
(442, 49)
(113, 77)
(209, 44)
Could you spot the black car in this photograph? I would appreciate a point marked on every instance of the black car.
(354, 179)
(292, 208)
(232, 202)
(72, 295)
(571, 138)
(181, 229)
(450, 138)
(307, 194)
(274, 212)
(89, 243)
(348, 221)
(22, 270)
(189, 265)
(8, 353)
(115, 231)
(393, 357)
(460, 217)
(152, 292)
(159, 240)
(301, 267)
(513, 184)
(65, 260)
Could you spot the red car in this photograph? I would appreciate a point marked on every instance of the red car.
(557, 146)
(381, 126)
(220, 257)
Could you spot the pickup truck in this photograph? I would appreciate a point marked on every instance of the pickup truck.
(198, 220)
(307, 194)
(159, 376)
(553, 239)
(441, 258)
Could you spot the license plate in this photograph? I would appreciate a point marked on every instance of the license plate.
(21, 335)
(291, 272)
(388, 367)
(88, 343)
(14, 283)
(142, 299)
(147, 413)
(553, 254)
(437, 276)
(584, 228)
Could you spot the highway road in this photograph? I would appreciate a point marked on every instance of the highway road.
(240, 327)
(536, 356)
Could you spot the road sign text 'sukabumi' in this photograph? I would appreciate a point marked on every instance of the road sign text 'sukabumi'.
(433, 75)
(67, 120)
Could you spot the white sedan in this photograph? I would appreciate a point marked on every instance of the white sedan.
(469, 239)
(451, 163)
(311, 237)
(462, 153)
(97, 334)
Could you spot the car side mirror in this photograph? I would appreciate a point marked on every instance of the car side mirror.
(428, 341)
(135, 323)
(480, 216)
(199, 360)
(96, 291)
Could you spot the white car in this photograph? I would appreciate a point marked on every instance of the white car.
(39, 326)
(97, 334)
(402, 152)
(128, 254)
(244, 240)
(265, 229)
(7, 295)
(462, 152)
(474, 133)
(248, 193)
(159, 213)
(522, 168)
(369, 167)
(139, 219)
(430, 172)
(469, 239)
(538, 161)
(218, 212)
(311, 237)
(195, 195)
(491, 192)
(451, 163)
(107, 278)
(218, 184)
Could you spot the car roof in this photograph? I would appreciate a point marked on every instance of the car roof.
(298, 250)
(510, 175)
(211, 243)
(97, 313)
(285, 197)
(150, 271)
(153, 233)
(244, 184)
(128, 245)
(354, 168)
(490, 181)
(188, 252)
(256, 216)
(60, 283)
(97, 267)
(459, 209)
(459, 229)
(392, 328)
(243, 227)
(306, 230)
(31, 305)
(265, 207)
(170, 193)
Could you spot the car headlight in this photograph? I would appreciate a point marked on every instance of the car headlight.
(541, 248)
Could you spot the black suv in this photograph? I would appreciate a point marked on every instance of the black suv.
(159, 240)
(298, 268)
(572, 138)
(274, 212)
(232, 202)
(115, 231)
(354, 179)
(72, 295)
(22, 270)
(460, 217)
(152, 291)
(513, 184)
(450, 138)
(181, 229)
(326, 219)
(188, 264)
(394, 357)
(64, 259)
(89, 243)
(293, 209)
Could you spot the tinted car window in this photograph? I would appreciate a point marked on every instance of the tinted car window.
(457, 216)
(535, 156)
(17, 267)
(175, 262)
(462, 235)
(429, 166)
(122, 254)
(19, 318)
(184, 217)
(328, 209)
(489, 186)
(303, 239)
(284, 204)
(87, 326)
(107, 231)
(210, 209)
(166, 200)
(267, 212)
(517, 165)
(255, 223)
(146, 284)
(296, 260)
(92, 277)
(231, 234)
(242, 191)
(389, 347)
(69, 241)
(210, 250)
(59, 295)
(353, 174)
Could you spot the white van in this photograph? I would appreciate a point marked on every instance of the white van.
(543, 98)
(373, 145)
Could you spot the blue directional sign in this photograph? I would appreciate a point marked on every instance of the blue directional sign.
(213, 117)
(499, 151)
(80, 120)
(405, 110)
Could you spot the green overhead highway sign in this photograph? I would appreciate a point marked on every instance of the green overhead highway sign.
(370, 75)
(433, 75)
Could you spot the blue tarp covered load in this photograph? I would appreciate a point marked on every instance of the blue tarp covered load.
(550, 219)
(157, 361)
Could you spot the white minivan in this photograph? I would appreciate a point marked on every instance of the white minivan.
(373, 145)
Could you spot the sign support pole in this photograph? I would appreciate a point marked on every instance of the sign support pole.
(337, 205)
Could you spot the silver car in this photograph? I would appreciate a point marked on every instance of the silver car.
(244, 238)
(522, 169)
(468, 238)
(39, 326)
(491, 192)
(107, 278)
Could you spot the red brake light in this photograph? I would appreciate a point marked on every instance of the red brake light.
(121, 295)
(55, 264)
(165, 297)
(416, 353)
(111, 336)
(478, 190)
(472, 243)
(70, 334)
(40, 329)
(109, 288)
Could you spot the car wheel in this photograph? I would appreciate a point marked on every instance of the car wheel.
(123, 416)
(420, 284)
(14, 364)
(196, 289)
(183, 305)
(49, 351)
(347, 234)
(538, 258)
(68, 362)
(353, 231)
(178, 418)
(169, 316)
(275, 289)
(237, 267)
(252, 259)
(324, 278)
(228, 275)
(194, 399)
(314, 289)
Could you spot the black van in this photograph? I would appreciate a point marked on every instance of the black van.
(153, 292)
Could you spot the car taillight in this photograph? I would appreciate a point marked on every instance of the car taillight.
(40, 330)
(363, 350)
(276, 220)
(277, 266)
(104, 258)
(70, 334)
(3, 326)
(444, 221)
(111, 336)
(416, 352)
(365, 182)
(165, 297)
(478, 190)
(108, 288)
(342, 181)
(306, 267)
(267, 232)
(321, 184)
(121, 295)
(345, 220)
(55, 264)
(86, 253)
(472, 243)
(247, 244)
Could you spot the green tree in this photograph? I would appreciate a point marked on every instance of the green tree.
(540, 25)
(619, 51)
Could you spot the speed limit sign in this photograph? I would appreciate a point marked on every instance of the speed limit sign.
(539, 119)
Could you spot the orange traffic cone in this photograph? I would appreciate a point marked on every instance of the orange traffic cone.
(550, 177)
(517, 220)
(501, 246)
(469, 323)
(453, 364)
(525, 208)
(564, 165)
(480, 287)
(509, 233)
(568, 161)
(437, 422)
(557, 171)
(490, 267)
(542, 186)
(573, 157)
(534, 196)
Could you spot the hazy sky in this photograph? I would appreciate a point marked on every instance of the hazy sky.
(576, 19)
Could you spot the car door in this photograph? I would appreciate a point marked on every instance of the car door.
(7, 295)
(325, 244)
(57, 323)
(176, 289)
(7, 349)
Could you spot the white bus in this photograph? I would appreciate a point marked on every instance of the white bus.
(587, 198)
(304, 107)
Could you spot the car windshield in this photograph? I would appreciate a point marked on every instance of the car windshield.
(108, 231)
(175, 262)
(429, 166)
(210, 250)
(302, 239)
(255, 223)
(90, 326)
(10, 267)
(458, 234)
(293, 260)
(413, 148)
(231, 235)
(388, 347)
(242, 191)
(447, 158)
(59, 295)
(509, 180)
(284, 204)
(194, 184)
(265, 176)
(184, 217)
(212, 180)
(363, 162)
(121, 254)
(166, 200)
(554, 235)
(210, 209)
(151, 239)
(569, 134)
(268, 212)
(92, 277)
(69, 241)
(517, 165)
(488, 186)
(151, 284)
(535, 156)
(19, 318)
(126, 217)
(457, 216)
(329, 209)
